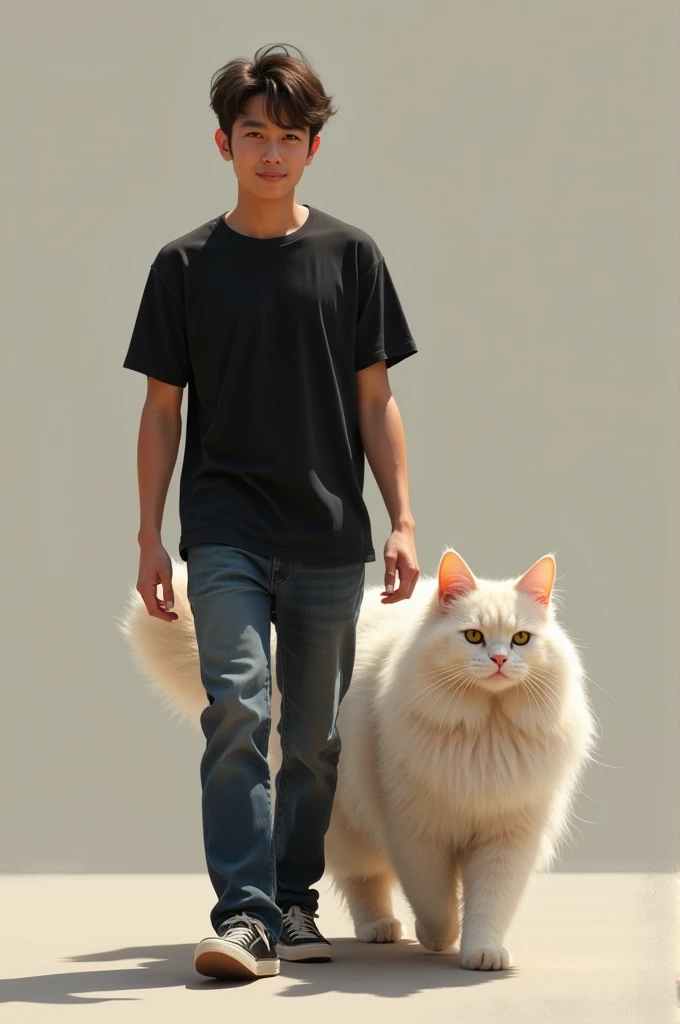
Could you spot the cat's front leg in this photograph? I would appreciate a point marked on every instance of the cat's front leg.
(494, 879)
(427, 874)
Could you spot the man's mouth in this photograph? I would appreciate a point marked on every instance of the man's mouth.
(270, 176)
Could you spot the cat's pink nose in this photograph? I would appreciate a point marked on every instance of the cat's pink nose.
(500, 659)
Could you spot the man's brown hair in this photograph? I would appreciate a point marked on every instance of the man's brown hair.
(290, 86)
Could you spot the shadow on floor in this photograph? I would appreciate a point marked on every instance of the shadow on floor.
(391, 971)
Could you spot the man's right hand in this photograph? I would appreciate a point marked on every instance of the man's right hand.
(155, 568)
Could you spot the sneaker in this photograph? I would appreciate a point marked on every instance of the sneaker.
(300, 938)
(243, 949)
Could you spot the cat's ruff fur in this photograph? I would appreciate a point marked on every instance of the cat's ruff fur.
(447, 781)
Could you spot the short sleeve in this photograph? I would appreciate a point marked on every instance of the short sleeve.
(158, 346)
(382, 331)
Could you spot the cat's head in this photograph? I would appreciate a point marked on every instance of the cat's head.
(494, 634)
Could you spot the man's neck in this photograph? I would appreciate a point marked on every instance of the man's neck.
(268, 218)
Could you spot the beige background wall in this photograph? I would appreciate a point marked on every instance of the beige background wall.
(516, 163)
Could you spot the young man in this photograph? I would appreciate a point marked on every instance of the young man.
(282, 320)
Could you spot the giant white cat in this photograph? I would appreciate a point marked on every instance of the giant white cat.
(465, 733)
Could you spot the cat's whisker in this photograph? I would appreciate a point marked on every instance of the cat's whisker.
(454, 683)
(444, 672)
(527, 689)
(420, 693)
(592, 681)
(602, 764)
(549, 703)
(540, 692)
(549, 685)
(438, 699)
(460, 693)
(444, 681)
(447, 670)
(546, 694)
(419, 698)
(545, 687)
(537, 672)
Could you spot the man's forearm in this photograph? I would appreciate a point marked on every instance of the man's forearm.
(157, 447)
(382, 435)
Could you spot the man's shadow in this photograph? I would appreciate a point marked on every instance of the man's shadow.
(390, 970)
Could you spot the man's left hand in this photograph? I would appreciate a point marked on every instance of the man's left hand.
(401, 559)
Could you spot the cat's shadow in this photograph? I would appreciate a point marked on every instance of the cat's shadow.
(383, 969)
(389, 970)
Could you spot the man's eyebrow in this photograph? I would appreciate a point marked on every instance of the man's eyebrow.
(251, 123)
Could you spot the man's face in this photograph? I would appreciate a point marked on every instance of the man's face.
(268, 160)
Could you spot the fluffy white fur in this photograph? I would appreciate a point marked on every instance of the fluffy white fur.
(452, 782)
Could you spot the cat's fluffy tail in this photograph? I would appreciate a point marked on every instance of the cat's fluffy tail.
(166, 652)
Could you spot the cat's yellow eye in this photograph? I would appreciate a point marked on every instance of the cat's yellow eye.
(473, 636)
(521, 638)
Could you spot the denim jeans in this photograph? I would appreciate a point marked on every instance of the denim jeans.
(259, 862)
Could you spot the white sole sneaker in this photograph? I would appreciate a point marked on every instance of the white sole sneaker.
(316, 952)
(218, 958)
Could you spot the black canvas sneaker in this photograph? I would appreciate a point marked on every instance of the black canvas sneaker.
(243, 949)
(301, 939)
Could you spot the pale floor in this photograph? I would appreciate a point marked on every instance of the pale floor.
(587, 947)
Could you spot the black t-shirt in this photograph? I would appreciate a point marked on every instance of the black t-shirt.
(268, 334)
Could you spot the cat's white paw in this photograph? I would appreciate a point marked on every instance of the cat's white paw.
(487, 957)
(385, 929)
(435, 943)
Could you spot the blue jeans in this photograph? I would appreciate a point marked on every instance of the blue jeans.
(257, 865)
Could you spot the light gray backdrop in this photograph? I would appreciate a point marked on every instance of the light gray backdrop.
(516, 163)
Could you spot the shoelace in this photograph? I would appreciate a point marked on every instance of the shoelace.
(244, 929)
(301, 922)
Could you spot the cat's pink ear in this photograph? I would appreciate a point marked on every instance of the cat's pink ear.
(538, 581)
(455, 578)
